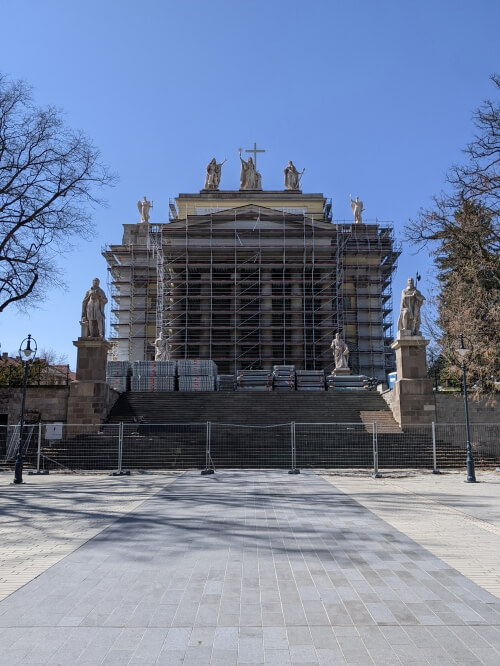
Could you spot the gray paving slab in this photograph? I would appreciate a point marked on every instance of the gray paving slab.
(250, 567)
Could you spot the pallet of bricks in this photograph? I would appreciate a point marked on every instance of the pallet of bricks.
(254, 380)
(153, 376)
(196, 374)
(117, 375)
(310, 380)
(284, 378)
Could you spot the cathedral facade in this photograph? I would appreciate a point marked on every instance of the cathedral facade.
(254, 278)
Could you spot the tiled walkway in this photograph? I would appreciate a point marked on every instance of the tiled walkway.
(251, 567)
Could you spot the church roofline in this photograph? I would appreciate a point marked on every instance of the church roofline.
(250, 194)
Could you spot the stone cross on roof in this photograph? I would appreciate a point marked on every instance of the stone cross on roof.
(254, 150)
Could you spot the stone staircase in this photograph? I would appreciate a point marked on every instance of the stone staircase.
(169, 431)
(255, 408)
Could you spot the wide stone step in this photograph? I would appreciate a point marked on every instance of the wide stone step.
(253, 408)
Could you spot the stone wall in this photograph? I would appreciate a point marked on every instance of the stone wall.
(450, 408)
(90, 402)
(46, 403)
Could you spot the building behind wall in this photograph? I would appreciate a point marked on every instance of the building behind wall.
(252, 279)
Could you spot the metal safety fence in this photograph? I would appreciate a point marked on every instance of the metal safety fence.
(214, 445)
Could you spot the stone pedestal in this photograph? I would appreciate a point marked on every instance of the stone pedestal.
(90, 397)
(91, 359)
(341, 372)
(413, 400)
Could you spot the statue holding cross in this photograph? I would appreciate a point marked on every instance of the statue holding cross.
(250, 178)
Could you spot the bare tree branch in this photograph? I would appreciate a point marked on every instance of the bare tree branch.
(49, 175)
(462, 233)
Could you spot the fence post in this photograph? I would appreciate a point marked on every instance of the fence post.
(38, 448)
(209, 467)
(294, 469)
(119, 471)
(39, 454)
(434, 453)
(120, 447)
(375, 474)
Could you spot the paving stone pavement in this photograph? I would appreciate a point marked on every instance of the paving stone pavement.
(250, 567)
(48, 517)
(457, 521)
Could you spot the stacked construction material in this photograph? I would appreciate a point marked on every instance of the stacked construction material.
(349, 382)
(117, 375)
(254, 380)
(196, 374)
(153, 376)
(284, 377)
(225, 382)
(310, 380)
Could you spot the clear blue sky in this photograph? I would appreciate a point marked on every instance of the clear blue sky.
(373, 98)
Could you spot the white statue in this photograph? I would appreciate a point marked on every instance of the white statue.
(250, 178)
(144, 207)
(162, 351)
(409, 316)
(357, 209)
(214, 170)
(292, 177)
(340, 352)
(93, 311)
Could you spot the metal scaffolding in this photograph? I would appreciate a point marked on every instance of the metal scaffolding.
(251, 287)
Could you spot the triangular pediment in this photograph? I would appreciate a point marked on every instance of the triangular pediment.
(250, 213)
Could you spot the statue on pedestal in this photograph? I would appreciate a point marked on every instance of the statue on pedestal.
(292, 177)
(144, 207)
(409, 316)
(212, 178)
(162, 352)
(250, 178)
(357, 209)
(340, 352)
(93, 311)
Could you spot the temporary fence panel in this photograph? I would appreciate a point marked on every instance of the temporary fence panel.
(120, 384)
(118, 368)
(234, 445)
(110, 447)
(164, 446)
(343, 445)
(197, 367)
(156, 384)
(10, 439)
(451, 442)
(154, 368)
(81, 447)
(196, 383)
(409, 448)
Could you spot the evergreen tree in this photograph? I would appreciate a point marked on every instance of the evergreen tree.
(462, 233)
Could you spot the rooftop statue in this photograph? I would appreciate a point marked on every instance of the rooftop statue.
(144, 207)
(409, 316)
(212, 178)
(250, 178)
(292, 177)
(357, 209)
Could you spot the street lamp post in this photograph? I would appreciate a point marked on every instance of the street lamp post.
(27, 356)
(462, 352)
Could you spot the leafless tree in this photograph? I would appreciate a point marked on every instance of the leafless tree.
(49, 176)
(462, 232)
